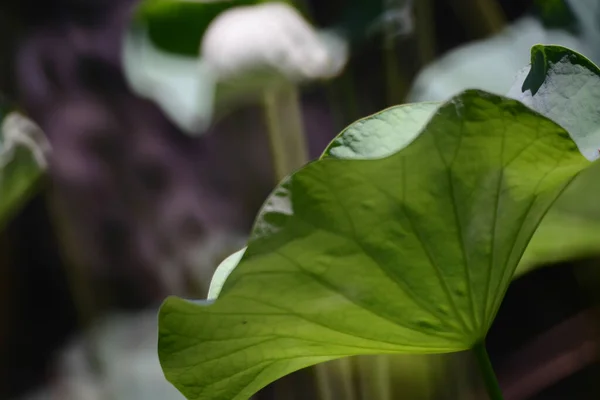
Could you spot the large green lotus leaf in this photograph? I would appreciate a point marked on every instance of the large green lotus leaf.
(410, 253)
(572, 226)
(21, 164)
(570, 229)
(565, 86)
(375, 136)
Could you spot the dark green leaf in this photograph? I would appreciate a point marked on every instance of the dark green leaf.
(557, 14)
(410, 253)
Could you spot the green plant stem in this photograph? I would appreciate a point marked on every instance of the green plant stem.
(323, 382)
(340, 91)
(286, 130)
(487, 372)
(425, 29)
(396, 85)
(335, 379)
(482, 17)
(375, 377)
(80, 285)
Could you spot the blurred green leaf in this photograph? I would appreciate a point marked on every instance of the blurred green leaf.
(410, 253)
(556, 14)
(581, 197)
(560, 237)
(22, 149)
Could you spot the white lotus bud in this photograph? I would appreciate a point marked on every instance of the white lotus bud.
(271, 37)
(244, 51)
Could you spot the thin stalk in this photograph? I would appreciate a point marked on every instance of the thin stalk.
(396, 85)
(425, 30)
(393, 82)
(340, 92)
(323, 382)
(375, 377)
(285, 129)
(487, 371)
(349, 96)
(335, 380)
(80, 285)
(483, 17)
(341, 96)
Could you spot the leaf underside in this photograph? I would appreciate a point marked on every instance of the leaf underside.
(409, 253)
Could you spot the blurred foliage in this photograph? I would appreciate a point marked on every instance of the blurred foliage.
(19, 168)
(556, 14)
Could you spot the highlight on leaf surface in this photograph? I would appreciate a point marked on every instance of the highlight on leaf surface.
(381, 134)
(407, 253)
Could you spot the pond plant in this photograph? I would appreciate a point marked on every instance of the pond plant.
(401, 239)
(23, 159)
